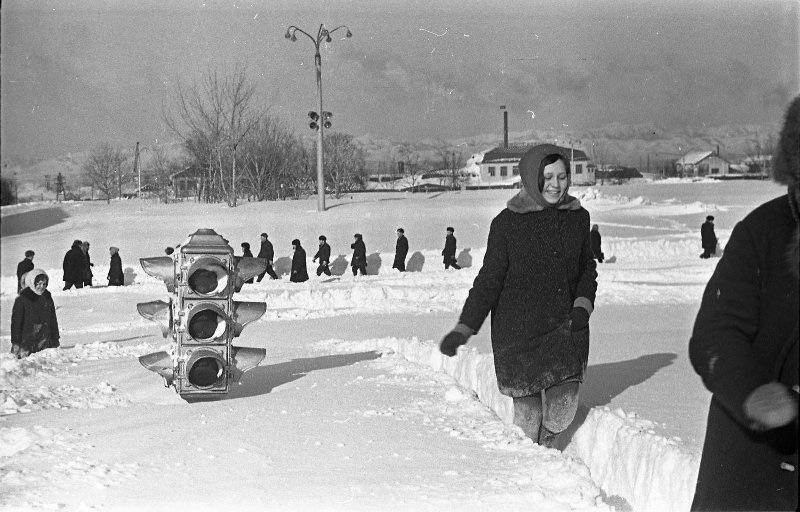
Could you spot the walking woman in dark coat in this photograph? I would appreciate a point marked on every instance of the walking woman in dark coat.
(359, 261)
(745, 348)
(538, 280)
(115, 275)
(324, 255)
(33, 318)
(87, 264)
(299, 272)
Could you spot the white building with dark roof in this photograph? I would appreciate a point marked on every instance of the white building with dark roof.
(702, 163)
(500, 166)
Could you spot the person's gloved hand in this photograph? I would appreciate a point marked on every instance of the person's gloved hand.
(578, 319)
(451, 342)
(770, 406)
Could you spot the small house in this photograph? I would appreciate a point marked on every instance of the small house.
(702, 163)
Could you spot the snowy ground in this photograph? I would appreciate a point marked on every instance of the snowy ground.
(354, 408)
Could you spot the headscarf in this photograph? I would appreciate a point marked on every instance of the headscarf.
(30, 277)
(530, 198)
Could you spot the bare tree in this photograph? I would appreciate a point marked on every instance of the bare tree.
(451, 161)
(273, 157)
(344, 163)
(103, 169)
(159, 172)
(212, 118)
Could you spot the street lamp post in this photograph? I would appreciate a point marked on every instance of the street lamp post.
(323, 34)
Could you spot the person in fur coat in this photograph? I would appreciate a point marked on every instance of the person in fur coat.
(538, 280)
(745, 348)
(34, 326)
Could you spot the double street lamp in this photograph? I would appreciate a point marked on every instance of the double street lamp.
(323, 34)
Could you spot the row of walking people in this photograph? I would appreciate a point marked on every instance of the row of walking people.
(358, 261)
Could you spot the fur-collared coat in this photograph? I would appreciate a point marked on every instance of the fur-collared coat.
(536, 265)
(746, 335)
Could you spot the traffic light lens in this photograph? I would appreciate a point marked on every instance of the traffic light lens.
(207, 279)
(206, 325)
(205, 372)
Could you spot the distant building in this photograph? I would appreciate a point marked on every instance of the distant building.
(702, 163)
(500, 166)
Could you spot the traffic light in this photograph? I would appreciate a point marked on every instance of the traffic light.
(201, 315)
(313, 124)
(326, 119)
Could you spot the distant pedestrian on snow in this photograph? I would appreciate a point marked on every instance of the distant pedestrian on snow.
(267, 253)
(359, 260)
(708, 238)
(115, 275)
(74, 266)
(745, 348)
(33, 318)
(595, 241)
(400, 251)
(246, 253)
(299, 271)
(324, 255)
(23, 267)
(538, 281)
(87, 264)
(449, 251)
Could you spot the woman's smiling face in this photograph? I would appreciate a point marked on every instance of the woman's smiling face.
(555, 181)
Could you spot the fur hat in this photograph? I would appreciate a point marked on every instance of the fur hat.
(296, 242)
(264, 235)
(787, 159)
(114, 250)
(357, 235)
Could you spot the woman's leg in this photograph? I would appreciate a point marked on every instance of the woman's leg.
(560, 406)
(528, 414)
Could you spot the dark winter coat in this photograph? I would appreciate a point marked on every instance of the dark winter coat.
(536, 265)
(595, 241)
(400, 252)
(299, 271)
(746, 335)
(266, 251)
(23, 267)
(115, 274)
(708, 237)
(323, 254)
(74, 265)
(359, 254)
(33, 321)
(449, 251)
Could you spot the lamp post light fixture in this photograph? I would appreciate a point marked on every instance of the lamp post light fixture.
(322, 120)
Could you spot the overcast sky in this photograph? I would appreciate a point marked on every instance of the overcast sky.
(74, 73)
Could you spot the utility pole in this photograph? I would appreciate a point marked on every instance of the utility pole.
(136, 168)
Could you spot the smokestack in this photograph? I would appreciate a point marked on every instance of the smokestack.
(505, 126)
(505, 129)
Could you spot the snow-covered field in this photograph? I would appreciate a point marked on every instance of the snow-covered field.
(353, 407)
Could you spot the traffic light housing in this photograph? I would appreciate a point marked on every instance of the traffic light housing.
(326, 119)
(201, 315)
(314, 120)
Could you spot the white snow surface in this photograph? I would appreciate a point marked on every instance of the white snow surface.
(354, 408)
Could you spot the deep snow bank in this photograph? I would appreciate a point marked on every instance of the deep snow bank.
(624, 455)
